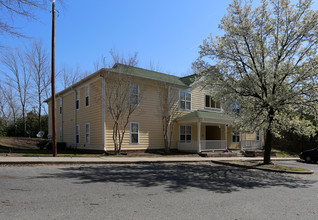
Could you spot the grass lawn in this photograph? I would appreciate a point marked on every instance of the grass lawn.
(284, 153)
(27, 147)
(273, 166)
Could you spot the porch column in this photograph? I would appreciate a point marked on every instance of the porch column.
(226, 136)
(199, 135)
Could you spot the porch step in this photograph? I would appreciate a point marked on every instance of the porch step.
(221, 154)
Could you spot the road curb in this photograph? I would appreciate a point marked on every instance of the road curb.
(259, 168)
(95, 162)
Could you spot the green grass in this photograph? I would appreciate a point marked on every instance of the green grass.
(284, 153)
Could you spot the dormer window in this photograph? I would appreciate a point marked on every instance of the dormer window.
(211, 103)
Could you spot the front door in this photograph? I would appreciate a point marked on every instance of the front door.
(212, 133)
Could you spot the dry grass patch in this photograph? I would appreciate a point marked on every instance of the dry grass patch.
(273, 166)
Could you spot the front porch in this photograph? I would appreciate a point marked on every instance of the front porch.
(201, 131)
(205, 137)
(204, 131)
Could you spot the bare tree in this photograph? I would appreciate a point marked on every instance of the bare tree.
(102, 63)
(116, 57)
(131, 60)
(154, 67)
(10, 9)
(70, 76)
(19, 78)
(11, 103)
(40, 73)
(123, 96)
(169, 110)
(3, 102)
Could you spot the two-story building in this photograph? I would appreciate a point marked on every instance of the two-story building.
(83, 120)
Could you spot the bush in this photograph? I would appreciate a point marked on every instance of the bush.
(44, 144)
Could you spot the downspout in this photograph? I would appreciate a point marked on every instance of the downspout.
(104, 111)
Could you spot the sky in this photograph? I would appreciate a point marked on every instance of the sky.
(167, 32)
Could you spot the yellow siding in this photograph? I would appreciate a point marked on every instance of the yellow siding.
(198, 98)
(91, 115)
(149, 118)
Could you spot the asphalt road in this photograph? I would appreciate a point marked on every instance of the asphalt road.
(155, 191)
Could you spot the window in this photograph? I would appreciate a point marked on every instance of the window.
(257, 135)
(211, 103)
(134, 132)
(185, 100)
(77, 134)
(134, 94)
(185, 134)
(61, 134)
(77, 98)
(236, 138)
(87, 96)
(236, 107)
(87, 133)
(61, 104)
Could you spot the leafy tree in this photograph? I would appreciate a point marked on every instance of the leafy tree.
(266, 60)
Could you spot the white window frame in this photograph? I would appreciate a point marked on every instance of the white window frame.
(236, 137)
(257, 135)
(185, 141)
(87, 132)
(131, 133)
(211, 107)
(87, 97)
(184, 99)
(77, 133)
(77, 99)
(134, 94)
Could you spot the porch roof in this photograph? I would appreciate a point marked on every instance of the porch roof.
(206, 116)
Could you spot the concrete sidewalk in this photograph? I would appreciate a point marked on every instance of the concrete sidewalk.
(123, 160)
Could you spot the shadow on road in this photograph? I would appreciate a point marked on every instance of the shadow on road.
(179, 177)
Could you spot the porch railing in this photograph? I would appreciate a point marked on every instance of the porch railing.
(250, 144)
(212, 145)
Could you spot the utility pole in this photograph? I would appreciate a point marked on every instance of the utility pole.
(54, 139)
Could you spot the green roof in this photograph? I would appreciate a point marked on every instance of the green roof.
(148, 74)
(207, 115)
(188, 80)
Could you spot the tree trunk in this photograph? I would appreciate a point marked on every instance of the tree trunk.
(268, 147)
(269, 138)
(24, 122)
